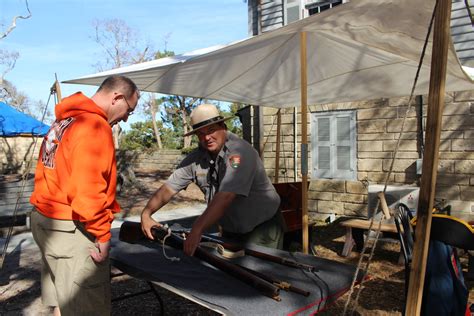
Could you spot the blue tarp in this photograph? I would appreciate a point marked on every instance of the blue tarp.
(15, 123)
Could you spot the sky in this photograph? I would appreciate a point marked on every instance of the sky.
(56, 40)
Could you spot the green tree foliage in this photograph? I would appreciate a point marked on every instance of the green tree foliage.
(234, 125)
(141, 136)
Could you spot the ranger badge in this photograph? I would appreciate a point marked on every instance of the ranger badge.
(234, 161)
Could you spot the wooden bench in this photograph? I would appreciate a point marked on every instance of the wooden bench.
(355, 232)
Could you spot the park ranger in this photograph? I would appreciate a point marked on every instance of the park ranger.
(240, 197)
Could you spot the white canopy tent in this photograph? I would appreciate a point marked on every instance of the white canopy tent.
(360, 50)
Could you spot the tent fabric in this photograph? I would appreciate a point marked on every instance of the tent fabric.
(16, 123)
(359, 50)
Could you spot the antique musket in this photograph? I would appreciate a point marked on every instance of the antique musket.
(262, 255)
(131, 232)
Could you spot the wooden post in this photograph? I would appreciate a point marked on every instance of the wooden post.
(304, 141)
(277, 154)
(430, 156)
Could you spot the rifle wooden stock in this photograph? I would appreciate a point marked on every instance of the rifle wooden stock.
(131, 232)
(281, 284)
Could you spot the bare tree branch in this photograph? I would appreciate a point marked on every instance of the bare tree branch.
(13, 25)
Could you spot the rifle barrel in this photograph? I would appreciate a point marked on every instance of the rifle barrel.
(131, 232)
(281, 284)
(265, 256)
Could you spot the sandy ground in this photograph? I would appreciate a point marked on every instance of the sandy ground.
(382, 294)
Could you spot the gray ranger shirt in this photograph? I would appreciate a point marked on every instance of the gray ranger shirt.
(239, 170)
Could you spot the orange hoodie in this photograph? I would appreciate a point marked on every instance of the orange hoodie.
(76, 173)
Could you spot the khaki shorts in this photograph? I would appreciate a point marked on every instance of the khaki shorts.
(70, 278)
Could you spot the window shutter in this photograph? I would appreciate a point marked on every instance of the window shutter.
(292, 11)
(344, 126)
(333, 145)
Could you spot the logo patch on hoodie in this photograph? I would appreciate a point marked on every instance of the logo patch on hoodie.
(52, 140)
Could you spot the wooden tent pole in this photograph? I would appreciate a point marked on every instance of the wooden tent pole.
(441, 34)
(58, 90)
(304, 141)
(277, 154)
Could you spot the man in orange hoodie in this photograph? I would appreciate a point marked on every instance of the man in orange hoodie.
(74, 198)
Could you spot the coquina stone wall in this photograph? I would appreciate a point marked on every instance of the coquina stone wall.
(378, 128)
(16, 152)
(163, 160)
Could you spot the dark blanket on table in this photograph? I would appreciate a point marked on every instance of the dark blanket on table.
(146, 260)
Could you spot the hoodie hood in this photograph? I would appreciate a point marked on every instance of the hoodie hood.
(75, 105)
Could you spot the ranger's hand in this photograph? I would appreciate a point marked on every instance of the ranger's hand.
(192, 242)
(147, 223)
(101, 253)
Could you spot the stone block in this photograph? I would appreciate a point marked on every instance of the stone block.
(379, 177)
(452, 179)
(369, 165)
(467, 193)
(401, 101)
(405, 135)
(448, 192)
(457, 108)
(372, 126)
(412, 112)
(374, 155)
(395, 125)
(380, 136)
(377, 113)
(457, 156)
(469, 134)
(350, 198)
(462, 144)
(370, 146)
(406, 178)
(356, 187)
(328, 207)
(407, 155)
(405, 145)
(452, 134)
(399, 165)
(354, 209)
(317, 195)
(327, 185)
(464, 166)
(445, 145)
(457, 122)
(445, 166)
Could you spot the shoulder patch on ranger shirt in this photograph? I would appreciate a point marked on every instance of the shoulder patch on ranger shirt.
(234, 161)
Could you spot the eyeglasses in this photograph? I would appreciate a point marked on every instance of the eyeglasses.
(129, 108)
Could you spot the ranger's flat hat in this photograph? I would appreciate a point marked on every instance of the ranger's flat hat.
(204, 115)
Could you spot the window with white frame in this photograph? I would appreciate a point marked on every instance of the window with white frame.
(319, 6)
(333, 145)
(292, 11)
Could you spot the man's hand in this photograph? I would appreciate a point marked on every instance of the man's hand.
(102, 252)
(192, 241)
(147, 223)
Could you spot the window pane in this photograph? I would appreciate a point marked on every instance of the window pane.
(324, 7)
(323, 129)
(324, 158)
(293, 14)
(343, 128)
(343, 157)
